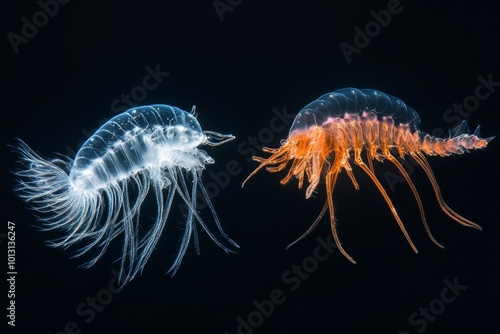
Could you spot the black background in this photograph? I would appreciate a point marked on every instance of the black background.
(262, 56)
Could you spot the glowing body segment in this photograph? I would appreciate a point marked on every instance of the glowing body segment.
(150, 151)
(137, 139)
(353, 125)
(347, 102)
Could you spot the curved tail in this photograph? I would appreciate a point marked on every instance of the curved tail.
(45, 186)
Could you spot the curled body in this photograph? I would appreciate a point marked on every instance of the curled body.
(351, 126)
(149, 151)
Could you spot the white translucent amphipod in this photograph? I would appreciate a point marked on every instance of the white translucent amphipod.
(98, 196)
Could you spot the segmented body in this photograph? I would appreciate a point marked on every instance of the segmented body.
(146, 152)
(343, 127)
(348, 102)
(139, 139)
(377, 120)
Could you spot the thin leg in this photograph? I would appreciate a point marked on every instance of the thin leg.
(415, 193)
(422, 161)
(331, 179)
(369, 158)
(277, 157)
(365, 168)
(309, 230)
(349, 172)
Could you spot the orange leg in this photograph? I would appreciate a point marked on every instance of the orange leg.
(279, 156)
(422, 161)
(415, 193)
(367, 170)
(331, 179)
(313, 225)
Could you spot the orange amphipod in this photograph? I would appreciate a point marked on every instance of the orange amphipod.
(337, 128)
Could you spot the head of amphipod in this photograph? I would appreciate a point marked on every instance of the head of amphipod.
(182, 143)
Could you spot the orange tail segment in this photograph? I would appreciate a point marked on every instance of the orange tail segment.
(459, 142)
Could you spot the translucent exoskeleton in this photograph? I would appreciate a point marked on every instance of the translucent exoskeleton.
(353, 125)
(97, 197)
